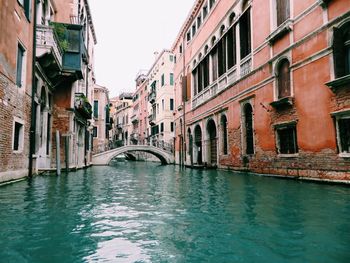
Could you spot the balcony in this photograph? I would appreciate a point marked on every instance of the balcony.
(152, 97)
(70, 39)
(49, 52)
(82, 106)
(152, 119)
(134, 119)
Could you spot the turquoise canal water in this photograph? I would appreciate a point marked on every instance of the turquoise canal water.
(138, 212)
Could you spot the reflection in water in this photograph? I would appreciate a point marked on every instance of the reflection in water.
(141, 212)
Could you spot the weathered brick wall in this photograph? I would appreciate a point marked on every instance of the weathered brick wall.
(13, 103)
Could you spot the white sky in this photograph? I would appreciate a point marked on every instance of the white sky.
(128, 34)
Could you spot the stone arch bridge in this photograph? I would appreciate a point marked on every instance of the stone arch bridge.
(105, 158)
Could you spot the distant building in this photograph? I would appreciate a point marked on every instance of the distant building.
(161, 98)
(139, 118)
(122, 119)
(102, 120)
(263, 86)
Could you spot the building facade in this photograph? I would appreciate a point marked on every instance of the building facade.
(65, 84)
(139, 117)
(16, 68)
(102, 120)
(262, 86)
(122, 119)
(47, 79)
(161, 99)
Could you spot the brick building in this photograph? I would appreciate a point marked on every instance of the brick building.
(56, 95)
(262, 86)
(16, 52)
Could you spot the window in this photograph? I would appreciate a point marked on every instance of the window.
(162, 127)
(172, 126)
(341, 50)
(214, 59)
(244, 33)
(171, 79)
(222, 56)
(96, 109)
(180, 49)
(94, 132)
(248, 132)
(18, 134)
(287, 140)
(282, 11)
(188, 36)
(162, 80)
(163, 104)
(283, 79)
(231, 47)
(224, 135)
(205, 11)
(211, 3)
(171, 58)
(199, 21)
(26, 4)
(20, 65)
(194, 29)
(343, 127)
(171, 104)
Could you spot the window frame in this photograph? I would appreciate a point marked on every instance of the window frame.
(20, 135)
(284, 126)
(21, 79)
(341, 116)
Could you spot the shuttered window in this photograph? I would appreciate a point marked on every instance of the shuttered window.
(287, 140)
(222, 56)
(283, 12)
(231, 47)
(214, 57)
(245, 34)
(341, 50)
(344, 135)
(283, 79)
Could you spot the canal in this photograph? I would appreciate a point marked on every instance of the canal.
(138, 212)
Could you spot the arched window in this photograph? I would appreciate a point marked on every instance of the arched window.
(206, 49)
(222, 30)
(341, 50)
(248, 129)
(224, 138)
(231, 18)
(283, 79)
(213, 40)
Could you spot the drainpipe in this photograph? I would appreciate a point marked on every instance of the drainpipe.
(33, 111)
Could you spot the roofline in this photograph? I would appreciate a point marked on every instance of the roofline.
(189, 19)
(158, 58)
(90, 21)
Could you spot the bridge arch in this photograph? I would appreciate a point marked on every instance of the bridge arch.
(106, 157)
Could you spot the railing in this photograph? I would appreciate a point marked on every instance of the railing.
(152, 97)
(82, 105)
(222, 82)
(165, 146)
(47, 41)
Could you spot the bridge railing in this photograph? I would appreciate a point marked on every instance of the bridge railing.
(160, 144)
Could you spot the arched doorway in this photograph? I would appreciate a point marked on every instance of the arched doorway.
(198, 145)
(190, 145)
(212, 141)
(224, 139)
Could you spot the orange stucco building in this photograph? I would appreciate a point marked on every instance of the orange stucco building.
(263, 86)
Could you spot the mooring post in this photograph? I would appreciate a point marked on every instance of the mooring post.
(66, 151)
(58, 154)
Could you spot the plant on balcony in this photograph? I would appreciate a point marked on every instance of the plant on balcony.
(61, 32)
